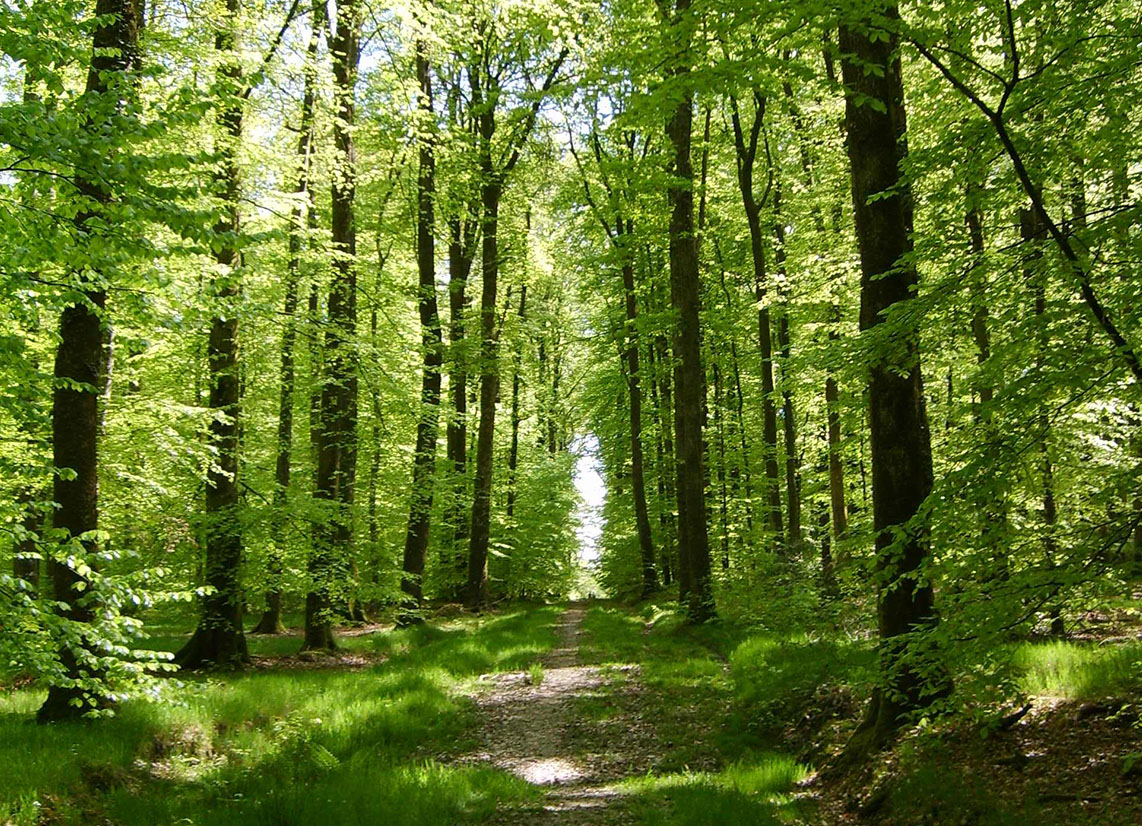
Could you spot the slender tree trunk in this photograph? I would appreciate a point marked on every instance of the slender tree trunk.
(491, 190)
(662, 472)
(30, 499)
(746, 153)
(911, 674)
(836, 470)
(789, 421)
(271, 621)
(720, 435)
(513, 452)
(220, 639)
(75, 406)
(337, 431)
(432, 343)
(685, 298)
(460, 248)
(634, 390)
(1034, 233)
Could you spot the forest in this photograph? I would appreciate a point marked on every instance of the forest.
(570, 412)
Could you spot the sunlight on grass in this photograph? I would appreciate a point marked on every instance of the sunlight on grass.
(758, 792)
(1079, 671)
(283, 746)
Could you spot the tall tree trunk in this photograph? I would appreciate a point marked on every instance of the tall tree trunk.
(992, 509)
(271, 620)
(784, 346)
(746, 153)
(337, 431)
(1034, 233)
(432, 343)
(836, 470)
(485, 94)
(220, 639)
(461, 235)
(30, 498)
(661, 471)
(720, 435)
(685, 298)
(911, 675)
(491, 190)
(513, 452)
(75, 406)
(634, 391)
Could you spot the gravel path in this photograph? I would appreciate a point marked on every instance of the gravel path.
(533, 732)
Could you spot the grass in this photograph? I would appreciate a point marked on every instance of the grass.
(1079, 671)
(718, 769)
(754, 793)
(283, 746)
(535, 674)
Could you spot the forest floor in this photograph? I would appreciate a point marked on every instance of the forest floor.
(582, 715)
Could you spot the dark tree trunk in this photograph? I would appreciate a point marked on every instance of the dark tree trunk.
(789, 422)
(1034, 233)
(460, 252)
(337, 430)
(491, 190)
(746, 152)
(720, 436)
(432, 343)
(836, 470)
(513, 452)
(911, 675)
(689, 378)
(75, 405)
(637, 464)
(485, 94)
(477, 587)
(220, 639)
(271, 620)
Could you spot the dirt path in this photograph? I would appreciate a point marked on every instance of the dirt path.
(534, 732)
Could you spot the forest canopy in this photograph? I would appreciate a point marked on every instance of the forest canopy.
(313, 313)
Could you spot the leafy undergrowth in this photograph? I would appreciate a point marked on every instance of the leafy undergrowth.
(1074, 757)
(745, 716)
(283, 746)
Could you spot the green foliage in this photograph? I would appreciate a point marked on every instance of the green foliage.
(1078, 671)
(757, 793)
(775, 679)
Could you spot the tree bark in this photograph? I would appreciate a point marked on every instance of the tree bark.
(746, 154)
(271, 620)
(634, 390)
(432, 343)
(220, 639)
(513, 452)
(491, 190)
(337, 435)
(461, 245)
(836, 470)
(685, 298)
(911, 674)
(485, 94)
(75, 405)
(785, 348)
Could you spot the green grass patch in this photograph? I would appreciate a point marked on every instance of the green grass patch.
(1079, 671)
(283, 746)
(775, 680)
(753, 793)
